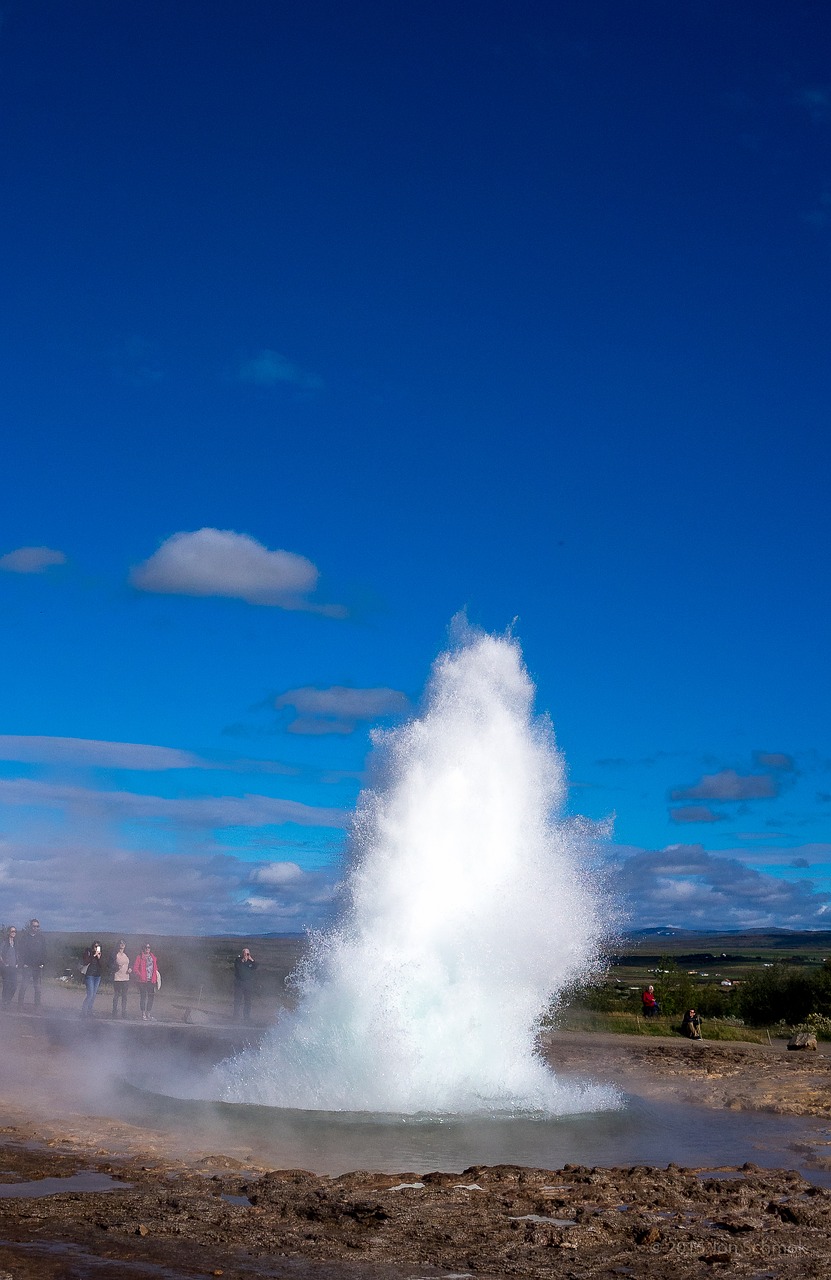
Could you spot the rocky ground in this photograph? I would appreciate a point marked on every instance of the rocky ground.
(733, 1074)
(177, 1211)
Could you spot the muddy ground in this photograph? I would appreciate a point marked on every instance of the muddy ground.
(181, 1211)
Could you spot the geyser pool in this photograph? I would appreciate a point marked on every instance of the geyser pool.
(468, 910)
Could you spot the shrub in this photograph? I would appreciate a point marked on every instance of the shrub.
(777, 994)
(674, 991)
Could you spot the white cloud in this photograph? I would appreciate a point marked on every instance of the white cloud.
(220, 562)
(271, 369)
(277, 873)
(339, 709)
(31, 559)
(89, 753)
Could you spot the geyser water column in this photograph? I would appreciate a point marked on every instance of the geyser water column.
(466, 912)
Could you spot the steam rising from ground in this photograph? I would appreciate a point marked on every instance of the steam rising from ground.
(466, 913)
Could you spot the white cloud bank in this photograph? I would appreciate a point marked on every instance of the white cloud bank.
(220, 562)
(686, 886)
(31, 560)
(339, 709)
(140, 892)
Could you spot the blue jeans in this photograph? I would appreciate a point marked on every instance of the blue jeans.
(93, 983)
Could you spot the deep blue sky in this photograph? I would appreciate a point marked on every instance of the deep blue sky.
(516, 308)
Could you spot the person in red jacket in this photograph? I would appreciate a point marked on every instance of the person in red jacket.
(651, 1008)
(146, 970)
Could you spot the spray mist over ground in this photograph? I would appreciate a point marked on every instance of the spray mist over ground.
(467, 912)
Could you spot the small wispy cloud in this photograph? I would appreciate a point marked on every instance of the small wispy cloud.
(695, 813)
(269, 368)
(816, 100)
(729, 785)
(221, 562)
(88, 753)
(31, 560)
(820, 215)
(207, 812)
(136, 361)
(339, 709)
(779, 760)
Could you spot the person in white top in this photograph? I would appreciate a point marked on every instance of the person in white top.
(121, 978)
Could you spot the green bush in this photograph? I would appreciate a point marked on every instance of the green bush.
(777, 994)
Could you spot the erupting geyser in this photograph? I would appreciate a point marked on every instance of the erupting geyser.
(467, 912)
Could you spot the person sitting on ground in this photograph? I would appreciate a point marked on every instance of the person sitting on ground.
(32, 960)
(651, 1008)
(691, 1025)
(244, 966)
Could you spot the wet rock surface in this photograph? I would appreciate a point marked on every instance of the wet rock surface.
(177, 1220)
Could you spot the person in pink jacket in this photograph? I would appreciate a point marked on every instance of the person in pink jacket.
(146, 972)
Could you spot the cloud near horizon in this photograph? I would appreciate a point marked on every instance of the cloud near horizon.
(31, 560)
(221, 562)
(685, 886)
(75, 887)
(339, 709)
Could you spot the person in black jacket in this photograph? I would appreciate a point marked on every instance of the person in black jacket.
(32, 946)
(691, 1025)
(244, 966)
(93, 971)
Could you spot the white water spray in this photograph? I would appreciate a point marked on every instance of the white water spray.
(467, 913)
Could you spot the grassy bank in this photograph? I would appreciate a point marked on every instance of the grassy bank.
(632, 1024)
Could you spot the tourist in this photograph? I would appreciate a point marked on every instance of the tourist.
(9, 962)
(244, 966)
(92, 969)
(32, 959)
(146, 969)
(651, 1008)
(691, 1025)
(121, 970)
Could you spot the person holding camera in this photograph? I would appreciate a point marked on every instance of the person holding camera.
(244, 966)
(93, 970)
